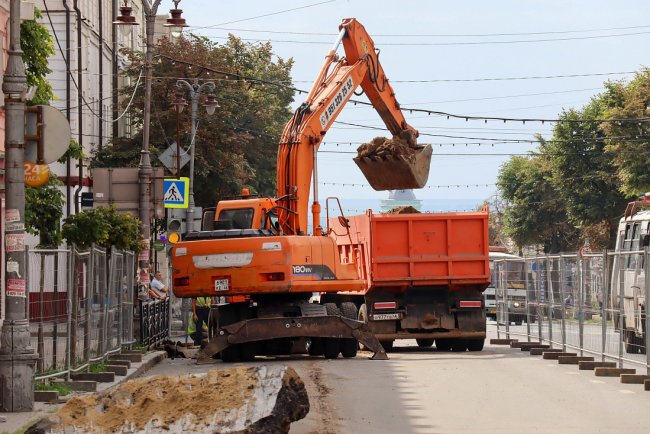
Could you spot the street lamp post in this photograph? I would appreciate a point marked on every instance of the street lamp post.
(17, 357)
(145, 171)
(195, 89)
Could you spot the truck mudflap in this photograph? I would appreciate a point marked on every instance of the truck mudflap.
(260, 329)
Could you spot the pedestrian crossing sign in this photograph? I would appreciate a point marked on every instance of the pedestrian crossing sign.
(176, 192)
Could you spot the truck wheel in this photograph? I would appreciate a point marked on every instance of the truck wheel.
(349, 346)
(443, 344)
(424, 343)
(316, 347)
(475, 344)
(458, 345)
(332, 346)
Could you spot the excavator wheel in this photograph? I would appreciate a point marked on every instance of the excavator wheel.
(363, 317)
(424, 343)
(349, 347)
(332, 346)
(316, 347)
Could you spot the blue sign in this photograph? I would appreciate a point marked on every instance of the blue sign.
(176, 192)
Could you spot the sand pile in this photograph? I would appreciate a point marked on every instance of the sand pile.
(402, 210)
(229, 400)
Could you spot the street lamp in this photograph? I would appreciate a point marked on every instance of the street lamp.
(176, 22)
(195, 89)
(145, 171)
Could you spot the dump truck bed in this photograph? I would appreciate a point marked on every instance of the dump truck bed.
(423, 249)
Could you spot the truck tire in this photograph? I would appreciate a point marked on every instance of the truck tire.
(458, 345)
(332, 346)
(424, 343)
(443, 344)
(349, 346)
(316, 347)
(475, 344)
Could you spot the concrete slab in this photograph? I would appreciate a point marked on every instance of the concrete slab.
(502, 341)
(126, 363)
(613, 372)
(117, 369)
(100, 377)
(634, 378)
(590, 366)
(540, 351)
(554, 355)
(135, 357)
(573, 360)
(46, 396)
(530, 345)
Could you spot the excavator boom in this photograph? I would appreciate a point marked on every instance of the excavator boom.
(333, 88)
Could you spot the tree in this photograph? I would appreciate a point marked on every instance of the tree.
(628, 141)
(236, 147)
(43, 212)
(583, 170)
(103, 226)
(534, 214)
(37, 45)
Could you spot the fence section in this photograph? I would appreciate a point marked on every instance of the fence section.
(81, 306)
(593, 304)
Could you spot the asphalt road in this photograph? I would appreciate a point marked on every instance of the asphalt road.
(499, 390)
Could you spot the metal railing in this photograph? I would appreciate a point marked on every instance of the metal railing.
(592, 304)
(80, 307)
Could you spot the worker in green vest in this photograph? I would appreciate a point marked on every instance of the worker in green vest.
(200, 313)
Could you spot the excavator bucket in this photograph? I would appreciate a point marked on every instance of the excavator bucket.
(399, 172)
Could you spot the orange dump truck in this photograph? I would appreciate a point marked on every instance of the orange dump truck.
(424, 274)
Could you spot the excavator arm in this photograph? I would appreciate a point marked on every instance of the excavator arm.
(303, 134)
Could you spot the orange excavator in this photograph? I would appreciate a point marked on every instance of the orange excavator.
(257, 251)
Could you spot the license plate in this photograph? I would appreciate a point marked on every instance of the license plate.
(221, 285)
(386, 316)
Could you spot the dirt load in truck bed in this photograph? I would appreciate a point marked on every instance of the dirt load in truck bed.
(407, 209)
(394, 164)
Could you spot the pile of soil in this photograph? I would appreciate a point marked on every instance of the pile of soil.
(161, 400)
(403, 210)
(403, 145)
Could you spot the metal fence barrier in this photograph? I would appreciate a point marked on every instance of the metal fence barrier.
(80, 307)
(154, 321)
(592, 304)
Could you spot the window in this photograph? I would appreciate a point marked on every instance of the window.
(239, 218)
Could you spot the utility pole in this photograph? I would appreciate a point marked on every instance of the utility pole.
(17, 358)
(145, 171)
(195, 89)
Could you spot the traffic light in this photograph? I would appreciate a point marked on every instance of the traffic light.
(175, 225)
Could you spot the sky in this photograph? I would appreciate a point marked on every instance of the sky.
(462, 57)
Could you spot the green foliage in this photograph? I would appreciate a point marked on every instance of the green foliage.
(103, 226)
(37, 45)
(534, 215)
(61, 388)
(43, 212)
(95, 367)
(628, 141)
(578, 183)
(74, 151)
(236, 146)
